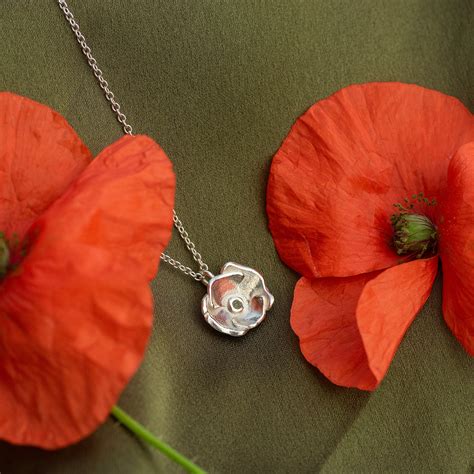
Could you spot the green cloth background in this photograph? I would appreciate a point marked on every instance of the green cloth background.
(218, 84)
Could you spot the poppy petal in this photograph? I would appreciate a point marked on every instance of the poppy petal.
(41, 156)
(323, 317)
(347, 329)
(388, 305)
(74, 329)
(347, 161)
(76, 314)
(456, 229)
(95, 211)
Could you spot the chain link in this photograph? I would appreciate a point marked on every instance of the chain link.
(203, 274)
(104, 85)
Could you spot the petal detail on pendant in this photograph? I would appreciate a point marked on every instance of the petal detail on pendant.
(237, 300)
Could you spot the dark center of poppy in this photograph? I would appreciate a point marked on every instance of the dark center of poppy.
(12, 252)
(4, 256)
(414, 234)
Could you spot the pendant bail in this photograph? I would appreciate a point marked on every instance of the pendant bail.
(206, 276)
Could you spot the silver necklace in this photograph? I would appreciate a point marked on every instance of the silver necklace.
(237, 299)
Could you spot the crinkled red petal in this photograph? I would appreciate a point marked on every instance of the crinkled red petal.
(323, 317)
(456, 229)
(344, 164)
(76, 315)
(388, 305)
(350, 327)
(40, 155)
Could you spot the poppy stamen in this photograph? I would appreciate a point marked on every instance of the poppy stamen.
(414, 235)
(12, 252)
(4, 255)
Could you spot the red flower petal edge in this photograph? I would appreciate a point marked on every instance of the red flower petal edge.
(76, 315)
(344, 164)
(333, 186)
(323, 317)
(347, 329)
(456, 228)
(123, 202)
(40, 157)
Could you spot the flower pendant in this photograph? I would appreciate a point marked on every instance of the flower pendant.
(236, 300)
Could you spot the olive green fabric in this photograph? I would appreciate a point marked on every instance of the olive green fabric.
(218, 84)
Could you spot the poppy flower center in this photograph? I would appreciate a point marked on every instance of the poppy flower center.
(414, 234)
(12, 252)
(4, 256)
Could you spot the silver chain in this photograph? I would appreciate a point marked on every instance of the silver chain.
(203, 274)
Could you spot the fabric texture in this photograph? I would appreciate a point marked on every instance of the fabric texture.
(218, 85)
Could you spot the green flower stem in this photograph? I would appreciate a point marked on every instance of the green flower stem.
(142, 433)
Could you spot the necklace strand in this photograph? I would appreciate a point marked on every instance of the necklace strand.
(203, 274)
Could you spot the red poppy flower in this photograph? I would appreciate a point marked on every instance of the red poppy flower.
(368, 267)
(81, 240)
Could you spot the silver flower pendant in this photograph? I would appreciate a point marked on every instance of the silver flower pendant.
(236, 300)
